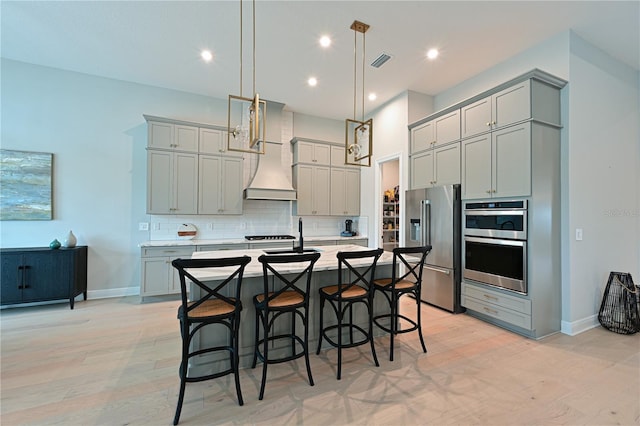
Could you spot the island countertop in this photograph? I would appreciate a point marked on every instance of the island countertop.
(328, 261)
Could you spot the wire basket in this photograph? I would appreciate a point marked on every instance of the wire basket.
(620, 308)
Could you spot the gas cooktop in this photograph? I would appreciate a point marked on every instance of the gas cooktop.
(269, 237)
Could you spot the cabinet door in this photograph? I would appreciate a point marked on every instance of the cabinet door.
(11, 278)
(303, 182)
(160, 135)
(47, 275)
(185, 183)
(476, 167)
(422, 137)
(211, 141)
(476, 117)
(512, 105)
(337, 156)
(304, 152)
(447, 128)
(338, 192)
(231, 186)
(155, 276)
(446, 164)
(186, 138)
(511, 152)
(209, 197)
(321, 191)
(352, 184)
(159, 184)
(422, 170)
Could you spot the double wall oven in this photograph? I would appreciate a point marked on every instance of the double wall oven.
(495, 243)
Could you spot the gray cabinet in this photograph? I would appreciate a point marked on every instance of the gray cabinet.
(436, 166)
(439, 131)
(159, 277)
(172, 182)
(312, 184)
(497, 164)
(345, 192)
(219, 185)
(311, 153)
(163, 135)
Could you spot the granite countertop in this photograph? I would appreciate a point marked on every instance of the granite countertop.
(327, 261)
(198, 242)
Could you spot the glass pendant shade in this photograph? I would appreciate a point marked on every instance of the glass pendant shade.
(246, 128)
(358, 142)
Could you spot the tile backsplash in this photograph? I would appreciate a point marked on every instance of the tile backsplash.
(260, 217)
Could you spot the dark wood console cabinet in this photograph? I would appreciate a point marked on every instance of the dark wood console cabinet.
(40, 274)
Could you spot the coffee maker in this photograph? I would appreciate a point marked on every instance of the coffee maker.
(348, 229)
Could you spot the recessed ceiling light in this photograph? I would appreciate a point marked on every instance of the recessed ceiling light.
(325, 41)
(206, 55)
(312, 81)
(432, 53)
(372, 96)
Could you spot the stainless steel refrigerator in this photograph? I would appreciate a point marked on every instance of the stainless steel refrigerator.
(433, 216)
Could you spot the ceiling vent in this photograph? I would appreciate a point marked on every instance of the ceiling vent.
(380, 60)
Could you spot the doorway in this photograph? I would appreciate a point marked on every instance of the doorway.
(389, 204)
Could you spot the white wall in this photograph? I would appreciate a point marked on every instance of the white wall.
(603, 171)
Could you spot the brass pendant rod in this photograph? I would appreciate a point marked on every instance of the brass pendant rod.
(240, 48)
(364, 48)
(355, 67)
(254, 46)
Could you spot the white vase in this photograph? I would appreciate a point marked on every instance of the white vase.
(70, 241)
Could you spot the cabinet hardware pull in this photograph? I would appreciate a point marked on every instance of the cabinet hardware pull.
(491, 311)
(489, 191)
(493, 190)
(486, 296)
(488, 123)
(494, 123)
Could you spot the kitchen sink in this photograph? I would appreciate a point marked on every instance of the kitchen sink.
(292, 251)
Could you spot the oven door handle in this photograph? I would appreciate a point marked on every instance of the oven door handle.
(432, 268)
(516, 243)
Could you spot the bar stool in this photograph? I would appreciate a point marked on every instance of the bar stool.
(353, 287)
(219, 304)
(411, 261)
(281, 296)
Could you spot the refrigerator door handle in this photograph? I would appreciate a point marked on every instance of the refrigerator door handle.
(425, 218)
(432, 268)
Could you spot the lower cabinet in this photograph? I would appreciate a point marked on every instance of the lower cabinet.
(43, 274)
(512, 310)
(159, 277)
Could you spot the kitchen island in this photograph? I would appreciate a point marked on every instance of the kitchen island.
(324, 273)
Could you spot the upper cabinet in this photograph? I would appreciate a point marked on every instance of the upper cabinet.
(436, 167)
(190, 170)
(311, 153)
(174, 137)
(439, 131)
(529, 99)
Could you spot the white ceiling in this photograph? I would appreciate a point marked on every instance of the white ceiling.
(158, 42)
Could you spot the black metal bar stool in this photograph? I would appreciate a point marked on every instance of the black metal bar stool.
(353, 287)
(219, 305)
(409, 260)
(281, 296)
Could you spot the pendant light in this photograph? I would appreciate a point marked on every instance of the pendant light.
(247, 117)
(358, 133)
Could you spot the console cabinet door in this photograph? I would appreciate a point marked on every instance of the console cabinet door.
(11, 279)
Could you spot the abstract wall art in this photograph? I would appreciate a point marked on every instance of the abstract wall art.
(25, 185)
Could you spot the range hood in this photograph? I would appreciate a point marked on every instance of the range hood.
(270, 181)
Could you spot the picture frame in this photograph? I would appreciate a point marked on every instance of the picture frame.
(26, 185)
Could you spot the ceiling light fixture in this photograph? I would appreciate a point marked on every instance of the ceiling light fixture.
(373, 96)
(432, 53)
(312, 81)
(325, 41)
(246, 117)
(358, 134)
(206, 55)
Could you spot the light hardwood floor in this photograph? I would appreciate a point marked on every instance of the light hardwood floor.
(115, 361)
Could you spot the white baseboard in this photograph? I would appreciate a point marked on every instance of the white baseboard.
(576, 327)
(113, 292)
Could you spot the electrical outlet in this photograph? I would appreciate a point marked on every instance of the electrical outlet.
(156, 226)
(209, 226)
(578, 234)
(143, 226)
